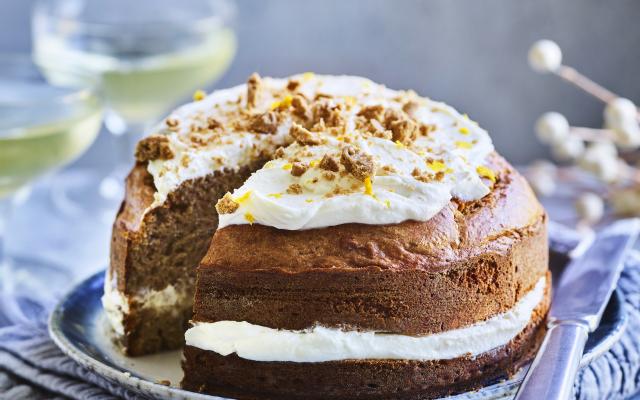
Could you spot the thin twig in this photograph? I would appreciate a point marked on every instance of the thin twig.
(592, 134)
(571, 75)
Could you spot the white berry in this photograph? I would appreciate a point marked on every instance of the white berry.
(568, 149)
(619, 112)
(541, 181)
(627, 135)
(621, 116)
(545, 56)
(544, 166)
(604, 148)
(590, 207)
(600, 162)
(552, 127)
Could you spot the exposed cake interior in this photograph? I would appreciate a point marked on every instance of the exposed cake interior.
(155, 249)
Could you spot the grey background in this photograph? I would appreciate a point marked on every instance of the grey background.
(471, 54)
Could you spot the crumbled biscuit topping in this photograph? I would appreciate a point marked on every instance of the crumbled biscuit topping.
(185, 160)
(358, 163)
(404, 129)
(426, 177)
(329, 175)
(213, 123)
(426, 129)
(300, 107)
(411, 107)
(298, 168)
(292, 85)
(327, 115)
(304, 136)
(388, 170)
(372, 112)
(155, 147)
(226, 205)
(329, 163)
(253, 87)
(294, 188)
(279, 153)
(264, 123)
(172, 123)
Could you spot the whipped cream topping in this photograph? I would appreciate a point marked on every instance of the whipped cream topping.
(413, 179)
(197, 152)
(318, 344)
(396, 197)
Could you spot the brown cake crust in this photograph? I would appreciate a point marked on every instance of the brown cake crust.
(235, 377)
(164, 246)
(468, 263)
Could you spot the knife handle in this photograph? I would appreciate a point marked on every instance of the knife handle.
(553, 371)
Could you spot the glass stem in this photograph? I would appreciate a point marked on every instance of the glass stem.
(6, 284)
(126, 146)
(126, 138)
(126, 135)
(5, 208)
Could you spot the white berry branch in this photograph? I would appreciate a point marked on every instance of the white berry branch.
(593, 150)
(545, 56)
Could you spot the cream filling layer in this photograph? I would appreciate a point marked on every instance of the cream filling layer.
(116, 304)
(318, 344)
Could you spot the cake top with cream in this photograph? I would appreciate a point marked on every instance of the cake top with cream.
(343, 150)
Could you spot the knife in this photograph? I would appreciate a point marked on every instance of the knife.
(578, 303)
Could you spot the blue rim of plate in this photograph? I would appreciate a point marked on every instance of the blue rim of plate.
(71, 338)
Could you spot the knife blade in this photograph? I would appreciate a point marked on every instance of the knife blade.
(587, 282)
(579, 300)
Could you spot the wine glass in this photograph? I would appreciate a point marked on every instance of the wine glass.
(42, 128)
(145, 55)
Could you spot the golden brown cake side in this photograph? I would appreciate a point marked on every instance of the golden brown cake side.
(466, 264)
(471, 262)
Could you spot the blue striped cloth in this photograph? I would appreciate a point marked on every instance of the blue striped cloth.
(32, 367)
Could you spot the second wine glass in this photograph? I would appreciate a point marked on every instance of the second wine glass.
(144, 55)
